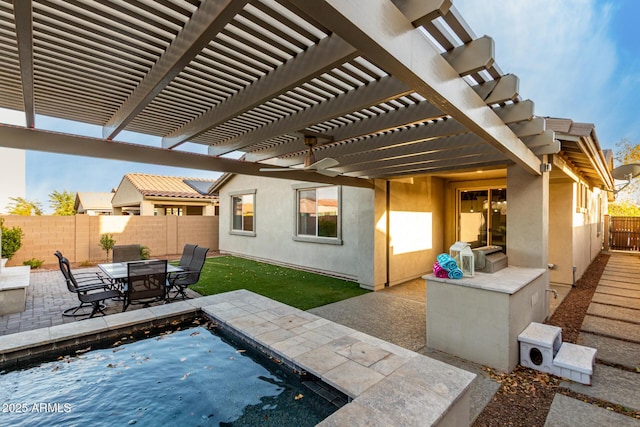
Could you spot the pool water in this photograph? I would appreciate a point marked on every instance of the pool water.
(186, 378)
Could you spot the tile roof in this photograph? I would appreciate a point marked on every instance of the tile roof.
(168, 186)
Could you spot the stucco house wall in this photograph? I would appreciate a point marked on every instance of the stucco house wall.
(126, 195)
(576, 235)
(415, 225)
(561, 239)
(275, 211)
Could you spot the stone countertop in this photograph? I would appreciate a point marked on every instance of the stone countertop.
(508, 280)
(14, 277)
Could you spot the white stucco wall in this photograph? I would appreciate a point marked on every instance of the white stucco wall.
(561, 240)
(573, 233)
(416, 227)
(275, 226)
(12, 176)
(126, 195)
(587, 244)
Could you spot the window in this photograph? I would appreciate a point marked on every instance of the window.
(173, 211)
(243, 213)
(318, 214)
(582, 198)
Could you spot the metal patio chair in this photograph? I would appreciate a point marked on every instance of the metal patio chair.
(187, 256)
(146, 282)
(89, 292)
(88, 281)
(179, 282)
(124, 253)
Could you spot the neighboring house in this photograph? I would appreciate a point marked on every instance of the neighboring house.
(12, 175)
(93, 203)
(345, 231)
(144, 194)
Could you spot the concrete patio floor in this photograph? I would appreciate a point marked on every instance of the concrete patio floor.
(398, 315)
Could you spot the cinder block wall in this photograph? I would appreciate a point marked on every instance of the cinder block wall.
(78, 237)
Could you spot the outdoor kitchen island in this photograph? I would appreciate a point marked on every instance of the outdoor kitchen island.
(479, 318)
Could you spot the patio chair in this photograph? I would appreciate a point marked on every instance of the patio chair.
(146, 282)
(80, 276)
(124, 253)
(187, 256)
(89, 293)
(179, 282)
(86, 281)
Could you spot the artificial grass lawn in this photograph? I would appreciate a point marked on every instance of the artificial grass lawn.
(296, 288)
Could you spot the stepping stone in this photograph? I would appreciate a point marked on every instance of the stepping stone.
(568, 412)
(619, 284)
(613, 312)
(611, 350)
(611, 328)
(616, 300)
(611, 385)
(610, 290)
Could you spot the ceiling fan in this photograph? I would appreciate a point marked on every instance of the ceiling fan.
(322, 166)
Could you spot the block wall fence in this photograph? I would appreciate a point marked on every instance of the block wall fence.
(78, 237)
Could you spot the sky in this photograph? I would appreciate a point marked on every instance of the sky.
(576, 59)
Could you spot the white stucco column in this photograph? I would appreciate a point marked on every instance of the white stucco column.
(527, 218)
(528, 223)
(146, 208)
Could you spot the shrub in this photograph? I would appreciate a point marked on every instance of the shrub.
(33, 263)
(145, 252)
(107, 243)
(11, 240)
(86, 264)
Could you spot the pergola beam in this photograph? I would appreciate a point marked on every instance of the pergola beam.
(23, 14)
(329, 53)
(419, 12)
(207, 21)
(425, 151)
(381, 33)
(402, 117)
(471, 57)
(365, 96)
(500, 90)
(517, 112)
(61, 143)
(381, 143)
(481, 158)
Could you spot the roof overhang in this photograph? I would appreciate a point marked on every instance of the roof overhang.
(582, 157)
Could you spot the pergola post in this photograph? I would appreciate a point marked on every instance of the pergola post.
(528, 222)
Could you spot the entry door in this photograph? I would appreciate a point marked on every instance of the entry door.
(483, 217)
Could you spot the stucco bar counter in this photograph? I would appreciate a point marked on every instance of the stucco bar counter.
(479, 318)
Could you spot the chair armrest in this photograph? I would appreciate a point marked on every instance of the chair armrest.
(171, 277)
(92, 284)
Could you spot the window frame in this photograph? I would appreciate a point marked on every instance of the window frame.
(296, 212)
(234, 194)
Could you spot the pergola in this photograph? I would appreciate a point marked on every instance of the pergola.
(388, 87)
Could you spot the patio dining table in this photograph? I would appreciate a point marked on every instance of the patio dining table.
(117, 271)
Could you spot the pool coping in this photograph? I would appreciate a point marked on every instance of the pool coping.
(386, 384)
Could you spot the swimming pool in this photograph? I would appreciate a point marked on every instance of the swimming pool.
(189, 377)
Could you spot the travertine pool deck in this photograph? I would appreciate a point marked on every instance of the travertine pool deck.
(386, 384)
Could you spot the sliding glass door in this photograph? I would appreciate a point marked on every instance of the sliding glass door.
(482, 217)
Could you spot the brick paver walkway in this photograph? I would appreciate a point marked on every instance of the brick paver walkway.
(47, 298)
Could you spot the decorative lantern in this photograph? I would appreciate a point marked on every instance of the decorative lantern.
(462, 253)
(467, 262)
